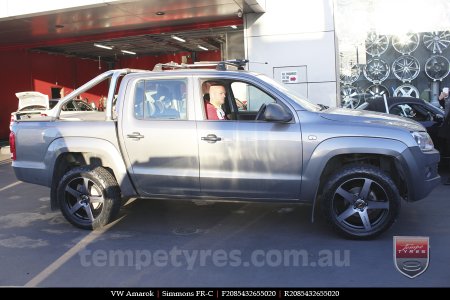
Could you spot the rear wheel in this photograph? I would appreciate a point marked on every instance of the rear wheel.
(89, 198)
(360, 201)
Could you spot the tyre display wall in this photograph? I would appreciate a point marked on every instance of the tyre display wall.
(398, 66)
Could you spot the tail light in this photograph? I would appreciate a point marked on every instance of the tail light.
(11, 121)
(44, 115)
(12, 145)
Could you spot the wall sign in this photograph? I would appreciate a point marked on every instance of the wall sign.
(290, 77)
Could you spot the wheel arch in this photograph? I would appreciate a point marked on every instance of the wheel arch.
(66, 153)
(337, 152)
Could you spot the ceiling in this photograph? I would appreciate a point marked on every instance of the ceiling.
(141, 26)
(148, 44)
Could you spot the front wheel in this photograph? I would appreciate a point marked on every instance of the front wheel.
(360, 201)
(89, 198)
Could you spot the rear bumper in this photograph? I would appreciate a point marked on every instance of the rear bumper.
(421, 172)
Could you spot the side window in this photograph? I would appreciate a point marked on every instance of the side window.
(160, 99)
(410, 111)
(397, 110)
(249, 98)
(421, 114)
(82, 106)
(69, 106)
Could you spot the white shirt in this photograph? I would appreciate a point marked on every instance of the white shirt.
(220, 113)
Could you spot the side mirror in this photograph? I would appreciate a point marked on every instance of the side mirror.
(438, 118)
(276, 113)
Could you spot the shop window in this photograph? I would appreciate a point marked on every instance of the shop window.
(392, 48)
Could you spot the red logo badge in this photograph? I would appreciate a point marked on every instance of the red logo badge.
(411, 254)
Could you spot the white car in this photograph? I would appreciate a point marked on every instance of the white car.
(34, 104)
(31, 104)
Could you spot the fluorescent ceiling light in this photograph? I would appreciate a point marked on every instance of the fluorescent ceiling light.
(103, 46)
(128, 52)
(178, 38)
(233, 26)
(203, 48)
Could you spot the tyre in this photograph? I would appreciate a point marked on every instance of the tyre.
(89, 198)
(360, 201)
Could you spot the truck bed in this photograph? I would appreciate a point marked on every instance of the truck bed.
(39, 143)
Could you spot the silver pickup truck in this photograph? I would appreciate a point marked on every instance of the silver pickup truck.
(154, 141)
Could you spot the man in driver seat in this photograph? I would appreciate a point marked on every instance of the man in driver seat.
(213, 108)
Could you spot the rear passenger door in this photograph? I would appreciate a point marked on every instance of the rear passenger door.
(159, 136)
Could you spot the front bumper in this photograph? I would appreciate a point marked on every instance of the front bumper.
(420, 172)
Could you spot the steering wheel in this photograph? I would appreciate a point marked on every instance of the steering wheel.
(430, 116)
(260, 112)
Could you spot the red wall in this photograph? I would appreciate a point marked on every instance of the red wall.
(209, 56)
(59, 71)
(15, 77)
(148, 62)
(31, 71)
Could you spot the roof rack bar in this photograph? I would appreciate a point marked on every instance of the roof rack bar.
(220, 65)
(239, 63)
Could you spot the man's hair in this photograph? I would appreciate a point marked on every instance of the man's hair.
(212, 83)
(217, 84)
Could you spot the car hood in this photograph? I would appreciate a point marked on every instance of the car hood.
(369, 117)
(27, 99)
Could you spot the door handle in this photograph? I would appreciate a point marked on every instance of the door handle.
(211, 138)
(135, 135)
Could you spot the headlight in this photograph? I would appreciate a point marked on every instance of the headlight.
(423, 140)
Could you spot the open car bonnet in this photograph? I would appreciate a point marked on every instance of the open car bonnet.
(27, 99)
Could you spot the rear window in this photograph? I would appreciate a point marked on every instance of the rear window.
(52, 103)
(160, 99)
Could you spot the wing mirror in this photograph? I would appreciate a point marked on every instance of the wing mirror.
(276, 113)
(438, 118)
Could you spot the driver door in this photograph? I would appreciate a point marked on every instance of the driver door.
(250, 159)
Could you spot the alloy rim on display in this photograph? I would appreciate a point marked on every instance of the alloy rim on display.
(437, 67)
(436, 41)
(376, 44)
(406, 43)
(350, 74)
(376, 91)
(406, 90)
(376, 70)
(351, 96)
(406, 68)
